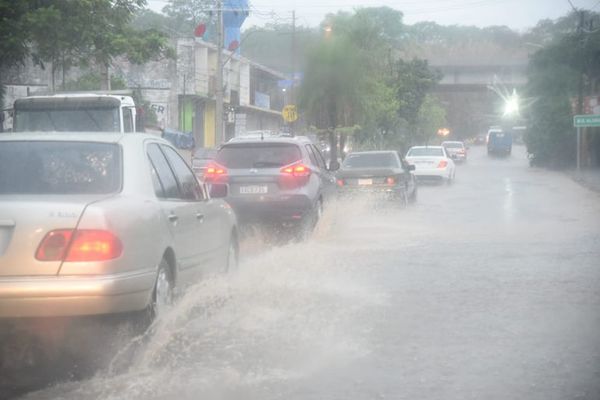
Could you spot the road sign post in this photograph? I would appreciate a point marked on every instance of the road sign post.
(584, 121)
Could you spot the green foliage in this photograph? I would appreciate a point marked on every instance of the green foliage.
(413, 80)
(431, 117)
(555, 74)
(93, 81)
(91, 32)
(271, 45)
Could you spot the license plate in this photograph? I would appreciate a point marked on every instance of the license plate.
(365, 181)
(254, 189)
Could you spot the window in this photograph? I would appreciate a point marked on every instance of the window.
(371, 160)
(167, 180)
(188, 184)
(311, 155)
(79, 120)
(40, 167)
(426, 151)
(258, 155)
(127, 120)
(320, 159)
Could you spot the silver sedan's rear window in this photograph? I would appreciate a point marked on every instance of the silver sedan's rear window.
(45, 167)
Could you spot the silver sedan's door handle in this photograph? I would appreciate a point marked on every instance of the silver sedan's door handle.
(173, 217)
(200, 217)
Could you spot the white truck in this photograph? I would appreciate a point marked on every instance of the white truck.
(81, 112)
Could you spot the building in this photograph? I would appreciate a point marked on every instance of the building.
(182, 91)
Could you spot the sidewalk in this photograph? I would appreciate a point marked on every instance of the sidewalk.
(590, 178)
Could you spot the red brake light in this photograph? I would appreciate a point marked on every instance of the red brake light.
(390, 180)
(340, 182)
(79, 245)
(215, 172)
(442, 164)
(94, 245)
(296, 169)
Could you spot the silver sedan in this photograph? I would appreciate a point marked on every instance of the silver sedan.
(103, 223)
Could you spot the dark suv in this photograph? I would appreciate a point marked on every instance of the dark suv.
(274, 179)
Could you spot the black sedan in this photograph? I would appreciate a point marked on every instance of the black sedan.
(379, 172)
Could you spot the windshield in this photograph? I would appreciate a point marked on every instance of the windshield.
(374, 160)
(44, 168)
(76, 120)
(258, 155)
(425, 152)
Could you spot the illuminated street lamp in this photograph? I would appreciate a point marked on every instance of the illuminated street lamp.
(511, 105)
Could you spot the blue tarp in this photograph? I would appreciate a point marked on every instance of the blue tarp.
(181, 140)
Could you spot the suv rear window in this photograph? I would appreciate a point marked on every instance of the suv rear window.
(258, 155)
(370, 160)
(59, 168)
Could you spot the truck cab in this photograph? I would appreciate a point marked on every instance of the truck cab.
(87, 112)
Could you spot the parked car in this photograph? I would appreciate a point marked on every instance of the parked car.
(275, 179)
(432, 163)
(480, 139)
(456, 150)
(103, 224)
(200, 160)
(499, 142)
(378, 172)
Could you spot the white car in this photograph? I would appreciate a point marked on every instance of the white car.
(432, 163)
(103, 224)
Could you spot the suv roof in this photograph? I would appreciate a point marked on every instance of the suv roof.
(270, 139)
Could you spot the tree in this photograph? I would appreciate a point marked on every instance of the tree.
(14, 36)
(91, 33)
(190, 13)
(569, 65)
(333, 86)
(413, 80)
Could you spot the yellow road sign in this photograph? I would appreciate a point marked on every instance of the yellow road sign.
(289, 113)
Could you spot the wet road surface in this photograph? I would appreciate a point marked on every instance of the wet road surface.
(485, 289)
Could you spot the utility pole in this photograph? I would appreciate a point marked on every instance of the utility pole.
(580, 84)
(219, 83)
(293, 94)
(293, 87)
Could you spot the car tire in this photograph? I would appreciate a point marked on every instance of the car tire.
(308, 224)
(404, 199)
(413, 196)
(162, 298)
(232, 261)
(163, 294)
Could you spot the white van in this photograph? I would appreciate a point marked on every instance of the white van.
(82, 112)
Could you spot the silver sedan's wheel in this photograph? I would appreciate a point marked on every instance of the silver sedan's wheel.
(232, 256)
(163, 291)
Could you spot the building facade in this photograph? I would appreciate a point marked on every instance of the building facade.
(182, 91)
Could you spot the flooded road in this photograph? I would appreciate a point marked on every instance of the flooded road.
(488, 288)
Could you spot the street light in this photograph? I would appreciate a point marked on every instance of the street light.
(511, 105)
(443, 132)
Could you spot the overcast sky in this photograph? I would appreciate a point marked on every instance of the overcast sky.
(517, 14)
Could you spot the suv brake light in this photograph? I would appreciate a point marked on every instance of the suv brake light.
(79, 245)
(296, 169)
(215, 173)
(294, 175)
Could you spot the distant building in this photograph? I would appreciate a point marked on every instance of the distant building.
(182, 92)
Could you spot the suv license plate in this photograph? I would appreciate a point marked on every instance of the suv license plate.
(365, 181)
(254, 189)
